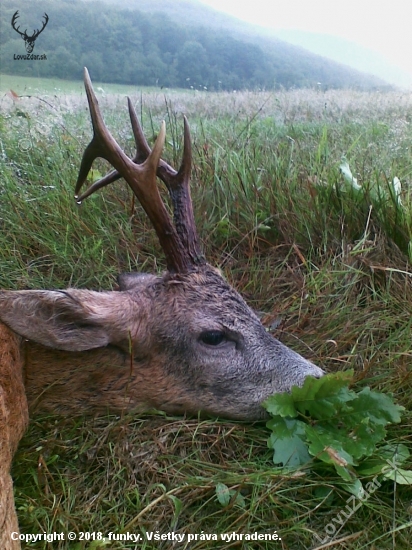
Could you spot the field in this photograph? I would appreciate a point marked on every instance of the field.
(326, 261)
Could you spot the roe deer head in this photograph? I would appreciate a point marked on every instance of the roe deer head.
(184, 341)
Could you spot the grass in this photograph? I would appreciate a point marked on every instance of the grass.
(329, 270)
(23, 85)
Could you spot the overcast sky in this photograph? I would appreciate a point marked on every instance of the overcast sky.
(381, 25)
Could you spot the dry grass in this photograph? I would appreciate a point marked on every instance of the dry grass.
(331, 277)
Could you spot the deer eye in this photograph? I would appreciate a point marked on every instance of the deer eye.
(213, 337)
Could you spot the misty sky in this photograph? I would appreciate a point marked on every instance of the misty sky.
(384, 26)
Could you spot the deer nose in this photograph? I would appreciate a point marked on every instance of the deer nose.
(318, 372)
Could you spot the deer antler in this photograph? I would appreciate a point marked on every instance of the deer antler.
(13, 24)
(46, 20)
(24, 34)
(179, 242)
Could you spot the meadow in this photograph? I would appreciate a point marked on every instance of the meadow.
(326, 262)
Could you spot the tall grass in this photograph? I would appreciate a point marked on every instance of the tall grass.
(328, 268)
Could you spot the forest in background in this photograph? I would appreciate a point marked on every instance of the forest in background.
(123, 45)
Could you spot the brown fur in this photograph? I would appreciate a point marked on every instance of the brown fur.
(99, 380)
(13, 422)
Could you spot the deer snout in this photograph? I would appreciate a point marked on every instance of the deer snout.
(307, 369)
(316, 372)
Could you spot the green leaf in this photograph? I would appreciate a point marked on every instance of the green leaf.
(223, 494)
(361, 440)
(336, 425)
(178, 505)
(379, 407)
(371, 466)
(323, 397)
(399, 475)
(281, 404)
(94, 175)
(355, 487)
(288, 442)
(325, 448)
(398, 453)
(239, 500)
(320, 397)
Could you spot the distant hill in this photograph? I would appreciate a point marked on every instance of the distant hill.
(168, 43)
(338, 49)
(291, 43)
(347, 52)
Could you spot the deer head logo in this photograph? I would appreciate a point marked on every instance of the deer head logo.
(28, 40)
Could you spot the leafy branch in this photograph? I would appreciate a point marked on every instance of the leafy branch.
(326, 420)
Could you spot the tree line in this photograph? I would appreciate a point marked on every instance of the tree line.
(149, 49)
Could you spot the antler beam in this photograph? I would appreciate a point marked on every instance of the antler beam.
(180, 243)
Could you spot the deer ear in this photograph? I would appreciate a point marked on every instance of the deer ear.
(71, 320)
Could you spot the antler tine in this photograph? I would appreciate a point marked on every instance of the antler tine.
(142, 147)
(106, 180)
(13, 22)
(140, 177)
(102, 144)
(177, 183)
(142, 152)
